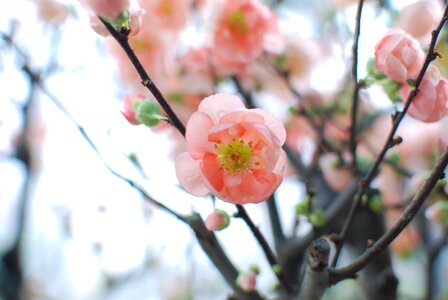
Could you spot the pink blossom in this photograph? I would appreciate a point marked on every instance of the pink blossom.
(167, 14)
(110, 9)
(130, 104)
(240, 31)
(247, 281)
(427, 12)
(398, 56)
(217, 220)
(443, 132)
(232, 151)
(430, 103)
(52, 11)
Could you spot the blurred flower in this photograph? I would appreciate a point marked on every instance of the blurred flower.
(247, 281)
(240, 31)
(217, 220)
(443, 125)
(52, 11)
(110, 9)
(438, 213)
(233, 152)
(167, 14)
(430, 103)
(398, 56)
(427, 12)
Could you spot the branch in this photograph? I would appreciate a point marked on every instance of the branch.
(316, 275)
(431, 55)
(270, 256)
(353, 143)
(206, 238)
(407, 216)
(122, 40)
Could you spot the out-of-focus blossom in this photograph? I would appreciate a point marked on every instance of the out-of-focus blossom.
(438, 213)
(217, 220)
(444, 131)
(341, 3)
(336, 176)
(167, 14)
(130, 105)
(110, 9)
(420, 18)
(247, 281)
(398, 56)
(52, 12)
(430, 104)
(240, 30)
(195, 74)
(233, 152)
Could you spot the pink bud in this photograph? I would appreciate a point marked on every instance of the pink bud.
(131, 102)
(247, 281)
(217, 220)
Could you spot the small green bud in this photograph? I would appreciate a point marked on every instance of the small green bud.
(376, 203)
(254, 269)
(148, 113)
(318, 218)
(277, 269)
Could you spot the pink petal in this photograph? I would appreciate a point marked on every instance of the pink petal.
(273, 123)
(198, 128)
(218, 105)
(190, 176)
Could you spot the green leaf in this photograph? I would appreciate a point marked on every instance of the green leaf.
(372, 72)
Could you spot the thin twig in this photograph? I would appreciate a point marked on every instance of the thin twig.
(365, 183)
(270, 256)
(122, 39)
(406, 217)
(353, 142)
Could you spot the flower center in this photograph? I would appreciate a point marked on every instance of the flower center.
(235, 156)
(237, 22)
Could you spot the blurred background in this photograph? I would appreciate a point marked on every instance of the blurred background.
(83, 233)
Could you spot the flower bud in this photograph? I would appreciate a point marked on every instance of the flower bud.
(130, 104)
(148, 113)
(247, 281)
(217, 220)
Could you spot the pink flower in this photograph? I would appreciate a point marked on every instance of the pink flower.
(427, 12)
(443, 132)
(233, 152)
(240, 32)
(217, 220)
(167, 14)
(131, 103)
(247, 281)
(430, 104)
(398, 56)
(110, 9)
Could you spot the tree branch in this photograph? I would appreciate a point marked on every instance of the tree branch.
(353, 142)
(365, 183)
(407, 216)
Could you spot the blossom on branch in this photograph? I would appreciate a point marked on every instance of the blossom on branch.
(232, 152)
(430, 104)
(398, 56)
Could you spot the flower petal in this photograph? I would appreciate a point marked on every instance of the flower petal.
(218, 105)
(196, 135)
(190, 176)
(273, 123)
